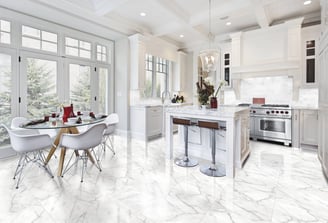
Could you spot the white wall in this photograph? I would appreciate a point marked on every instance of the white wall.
(122, 88)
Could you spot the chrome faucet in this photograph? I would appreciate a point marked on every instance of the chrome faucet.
(164, 95)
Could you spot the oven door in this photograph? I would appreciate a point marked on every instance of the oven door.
(277, 128)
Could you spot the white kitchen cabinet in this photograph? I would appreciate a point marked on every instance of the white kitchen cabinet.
(146, 121)
(244, 138)
(296, 128)
(323, 90)
(309, 127)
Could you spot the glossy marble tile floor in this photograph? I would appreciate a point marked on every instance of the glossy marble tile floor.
(277, 184)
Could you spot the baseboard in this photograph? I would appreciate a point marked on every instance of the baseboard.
(121, 132)
(7, 152)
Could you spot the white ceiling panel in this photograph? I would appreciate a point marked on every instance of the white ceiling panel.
(170, 18)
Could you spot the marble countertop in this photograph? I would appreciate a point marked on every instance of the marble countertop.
(304, 107)
(162, 105)
(221, 111)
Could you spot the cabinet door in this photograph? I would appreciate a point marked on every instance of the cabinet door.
(154, 118)
(244, 137)
(309, 127)
(296, 128)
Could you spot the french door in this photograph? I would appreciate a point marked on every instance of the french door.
(8, 92)
(38, 84)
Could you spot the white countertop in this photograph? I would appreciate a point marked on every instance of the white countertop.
(305, 107)
(162, 105)
(221, 111)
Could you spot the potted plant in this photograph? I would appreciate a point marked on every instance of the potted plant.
(214, 101)
(204, 90)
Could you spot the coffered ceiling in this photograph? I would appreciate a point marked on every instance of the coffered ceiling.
(168, 19)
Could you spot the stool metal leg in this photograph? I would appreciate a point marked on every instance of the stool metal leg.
(186, 161)
(213, 170)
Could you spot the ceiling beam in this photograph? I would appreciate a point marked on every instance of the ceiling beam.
(262, 15)
(103, 7)
(173, 8)
(118, 24)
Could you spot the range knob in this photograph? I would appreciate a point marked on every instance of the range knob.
(277, 112)
(286, 112)
(281, 112)
(268, 112)
(254, 111)
(272, 111)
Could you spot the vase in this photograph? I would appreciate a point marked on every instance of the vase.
(68, 113)
(214, 102)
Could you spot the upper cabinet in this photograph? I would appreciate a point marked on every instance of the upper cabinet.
(310, 50)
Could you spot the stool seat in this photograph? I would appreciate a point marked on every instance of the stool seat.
(213, 169)
(185, 161)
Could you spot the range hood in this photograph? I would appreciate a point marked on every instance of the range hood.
(268, 69)
(271, 51)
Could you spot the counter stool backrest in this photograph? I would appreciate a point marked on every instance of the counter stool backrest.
(181, 121)
(209, 125)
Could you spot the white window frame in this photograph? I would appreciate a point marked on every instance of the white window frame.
(10, 32)
(79, 48)
(39, 39)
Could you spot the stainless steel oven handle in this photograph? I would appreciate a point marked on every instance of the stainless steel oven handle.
(269, 117)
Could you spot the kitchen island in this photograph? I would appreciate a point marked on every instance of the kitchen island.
(232, 145)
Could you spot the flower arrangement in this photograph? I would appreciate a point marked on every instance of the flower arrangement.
(204, 90)
(221, 84)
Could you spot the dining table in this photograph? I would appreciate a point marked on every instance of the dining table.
(62, 127)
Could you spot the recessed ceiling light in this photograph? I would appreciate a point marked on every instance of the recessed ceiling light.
(228, 23)
(307, 2)
(143, 14)
(181, 35)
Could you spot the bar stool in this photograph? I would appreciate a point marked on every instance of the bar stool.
(185, 161)
(212, 170)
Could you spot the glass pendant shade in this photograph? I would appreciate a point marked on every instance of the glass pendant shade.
(209, 59)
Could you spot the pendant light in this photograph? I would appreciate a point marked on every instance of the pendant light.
(209, 57)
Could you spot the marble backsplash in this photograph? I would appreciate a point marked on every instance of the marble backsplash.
(275, 90)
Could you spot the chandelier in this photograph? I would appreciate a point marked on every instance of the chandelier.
(209, 57)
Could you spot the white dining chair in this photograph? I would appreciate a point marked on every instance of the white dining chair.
(30, 147)
(108, 138)
(16, 123)
(85, 141)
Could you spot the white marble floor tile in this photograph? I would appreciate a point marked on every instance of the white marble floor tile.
(277, 184)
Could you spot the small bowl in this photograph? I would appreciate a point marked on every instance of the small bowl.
(72, 120)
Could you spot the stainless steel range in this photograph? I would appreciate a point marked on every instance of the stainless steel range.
(271, 122)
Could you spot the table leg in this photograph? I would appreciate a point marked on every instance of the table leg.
(61, 161)
(90, 157)
(55, 144)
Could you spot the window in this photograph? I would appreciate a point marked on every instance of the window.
(39, 39)
(226, 67)
(156, 79)
(5, 32)
(77, 48)
(101, 53)
(310, 61)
